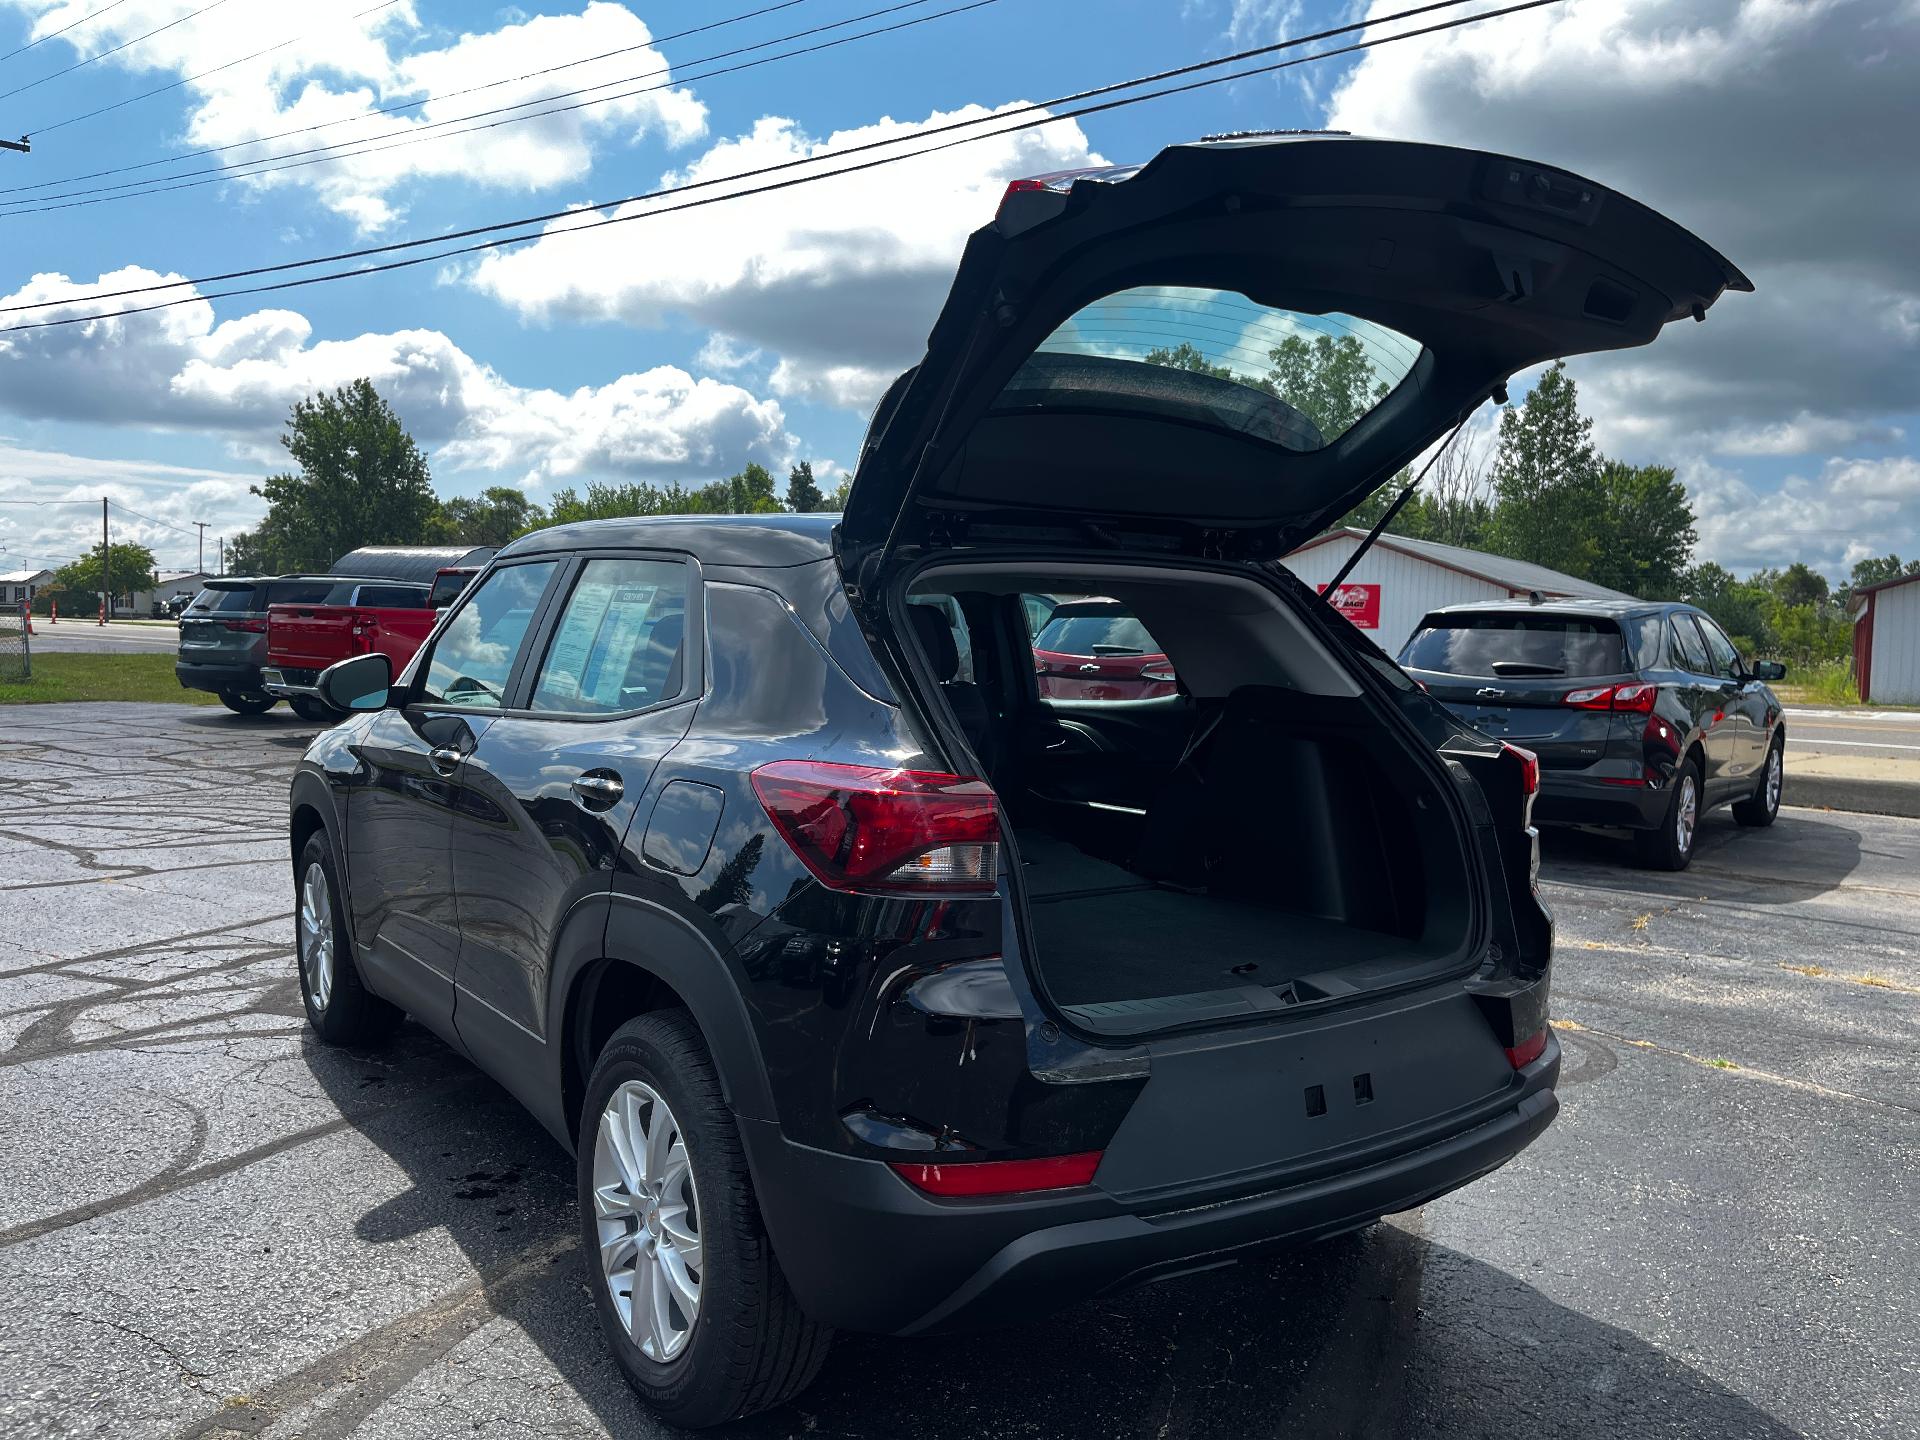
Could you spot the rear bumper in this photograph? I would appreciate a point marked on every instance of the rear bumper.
(1579, 799)
(863, 1250)
(287, 683)
(199, 675)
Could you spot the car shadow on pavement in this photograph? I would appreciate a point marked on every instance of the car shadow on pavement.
(1379, 1333)
(1804, 853)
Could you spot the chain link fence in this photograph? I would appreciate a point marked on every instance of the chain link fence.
(16, 644)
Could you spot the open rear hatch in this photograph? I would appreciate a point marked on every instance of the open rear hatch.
(1208, 315)
(1202, 361)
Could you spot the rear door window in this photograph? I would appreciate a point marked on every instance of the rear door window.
(297, 592)
(1688, 645)
(473, 659)
(621, 641)
(1516, 645)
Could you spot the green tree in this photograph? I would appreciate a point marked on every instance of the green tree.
(1879, 569)
(1329, 381)
(492, 517)
(1741, 608)
(1645, 533)
(1799, 584)
(804, 496)
(361, 481)
(1185, 357)
(751, 491)
(1547, 497)
(130, 566)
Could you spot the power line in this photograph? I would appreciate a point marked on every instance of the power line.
(123, 45)
(396, 246)
(44, 130)
(429, 99)
(54, 34)
(403, 139)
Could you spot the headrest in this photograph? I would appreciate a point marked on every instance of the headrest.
(935, 633)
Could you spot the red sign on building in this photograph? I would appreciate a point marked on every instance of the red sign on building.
(1359, 603)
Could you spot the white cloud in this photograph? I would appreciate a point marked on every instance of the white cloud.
(1847, 511)
(842, 279)
(176, 369)
(343, 68)
(1779, 132)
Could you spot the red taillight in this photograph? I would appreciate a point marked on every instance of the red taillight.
(1600, 697)
(1529, 768)
(1634, 699)
(861, 827)
(1002, 1177)
(251, 627)
(1529, 1050)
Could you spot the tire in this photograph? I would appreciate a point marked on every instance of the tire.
(313, 711)
(746, 1346)
(1761, 808)
(247, 703)
(341, 1010)
(1671, 845)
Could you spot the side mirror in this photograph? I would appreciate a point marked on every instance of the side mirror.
(361, 682)
(1769, 670)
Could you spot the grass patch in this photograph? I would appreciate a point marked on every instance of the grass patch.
(1879, 980)
(1828, 683)
(1807, 969)
(1723, 1064)
(115, 676)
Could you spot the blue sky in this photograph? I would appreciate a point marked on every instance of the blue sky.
(680, 348)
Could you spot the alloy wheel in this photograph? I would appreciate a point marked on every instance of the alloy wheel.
(1774, 766)
(1687, 813)
(316, 935)
(647, 1212)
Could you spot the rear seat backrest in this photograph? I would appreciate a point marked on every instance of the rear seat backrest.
(934, 631)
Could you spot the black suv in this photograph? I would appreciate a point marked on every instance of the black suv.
(873, 989)
(1644, 716)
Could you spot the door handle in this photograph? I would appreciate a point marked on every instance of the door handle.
(445, 759)
(599, 789)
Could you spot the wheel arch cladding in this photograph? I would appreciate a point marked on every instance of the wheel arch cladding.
(647, 959)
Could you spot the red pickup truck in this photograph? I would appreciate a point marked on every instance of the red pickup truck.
(357, 616)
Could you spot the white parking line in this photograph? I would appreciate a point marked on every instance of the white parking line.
(1850, 744)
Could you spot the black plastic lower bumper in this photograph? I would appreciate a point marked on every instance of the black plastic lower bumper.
(863, 1250)
(241, 679)
(1575, 800)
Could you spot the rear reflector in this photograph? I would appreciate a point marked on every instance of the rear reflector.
(1529, 1049)
(864, 828)
(1002, 1177)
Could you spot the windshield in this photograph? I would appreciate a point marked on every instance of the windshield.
(1300, 381)
(1515, 646)
(224, 601)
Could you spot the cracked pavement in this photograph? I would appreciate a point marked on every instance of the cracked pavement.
(210, 1226)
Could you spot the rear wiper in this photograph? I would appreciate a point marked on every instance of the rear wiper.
(1521, 667)
(1118, 650)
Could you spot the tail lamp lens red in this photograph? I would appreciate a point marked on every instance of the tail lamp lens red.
(250, 627)
(1001, 1177)
(1634, 699)
(1529, 768)
(1529, 1050)
(866, 828)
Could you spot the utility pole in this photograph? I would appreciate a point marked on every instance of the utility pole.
(106, 567)
(201, 563)
(23, 145)
(223, 552)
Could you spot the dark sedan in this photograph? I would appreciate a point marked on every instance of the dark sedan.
(1643, 715)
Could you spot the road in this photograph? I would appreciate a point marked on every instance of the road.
(87, 637)
(210, 1226)
(1855, 734)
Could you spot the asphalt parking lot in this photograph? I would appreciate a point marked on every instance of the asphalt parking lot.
(210, 1226)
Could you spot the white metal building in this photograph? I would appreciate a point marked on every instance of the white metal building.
(1886, 641)
(1400, 580)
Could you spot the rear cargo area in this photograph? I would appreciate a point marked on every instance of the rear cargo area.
(1259, 840)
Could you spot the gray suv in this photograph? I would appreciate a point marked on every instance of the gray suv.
(223, 635)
